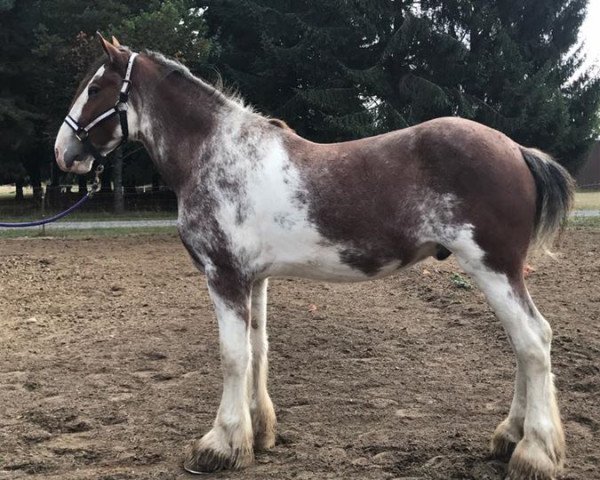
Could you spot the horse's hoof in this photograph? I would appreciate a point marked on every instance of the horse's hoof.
(201, 459)
(504, 441)
(207, 456)
(530, 461)
(264, 440)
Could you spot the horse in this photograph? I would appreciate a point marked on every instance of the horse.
(256, 200)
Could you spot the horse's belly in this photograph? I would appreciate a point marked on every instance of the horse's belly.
(322, 263)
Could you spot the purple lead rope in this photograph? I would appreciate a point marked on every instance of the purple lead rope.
(44, 221)
(58, 216)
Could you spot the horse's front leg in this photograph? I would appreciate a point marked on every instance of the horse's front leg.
(261, 406)
(229, 443)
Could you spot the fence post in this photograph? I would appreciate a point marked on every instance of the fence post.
(43, 196)
(119, 200)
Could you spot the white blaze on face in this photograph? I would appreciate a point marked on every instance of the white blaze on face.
(67, 144)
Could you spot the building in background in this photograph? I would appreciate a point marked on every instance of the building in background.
(588, 178)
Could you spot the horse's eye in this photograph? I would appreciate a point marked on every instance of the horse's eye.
(93, 90)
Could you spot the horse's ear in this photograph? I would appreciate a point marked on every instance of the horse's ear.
(115, 42)
(111, 51)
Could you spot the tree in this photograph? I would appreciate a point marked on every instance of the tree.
(172, 27)
(46, 46)
(291, 59)
(338, 70)
(20, 119)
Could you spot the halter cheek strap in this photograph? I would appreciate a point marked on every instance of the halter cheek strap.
(120, 109)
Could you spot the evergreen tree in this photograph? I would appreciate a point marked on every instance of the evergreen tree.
(20, 120)
(339, 70)
(46, 47)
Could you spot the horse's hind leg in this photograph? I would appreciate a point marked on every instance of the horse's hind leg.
(533, 422)
(261, 406)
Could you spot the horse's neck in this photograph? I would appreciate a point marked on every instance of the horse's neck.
(177, 123)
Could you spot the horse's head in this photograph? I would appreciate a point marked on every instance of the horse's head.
(94, 126)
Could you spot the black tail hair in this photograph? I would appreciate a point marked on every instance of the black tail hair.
(555, 188)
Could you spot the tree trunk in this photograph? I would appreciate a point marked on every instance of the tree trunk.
(155, 182)
(19, 185)
(37, 189)
(106, 179)
(119, 200)
(53, 190)
(82, 185)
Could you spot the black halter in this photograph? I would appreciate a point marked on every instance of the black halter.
(120, 109)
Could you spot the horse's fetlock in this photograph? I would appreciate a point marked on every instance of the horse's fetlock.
(505, 438)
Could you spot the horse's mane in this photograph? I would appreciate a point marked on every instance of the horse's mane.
(218, 91)
(171, 65)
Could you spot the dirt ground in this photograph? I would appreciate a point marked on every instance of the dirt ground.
(109, 366)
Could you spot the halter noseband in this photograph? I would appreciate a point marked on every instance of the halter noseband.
(120, 108)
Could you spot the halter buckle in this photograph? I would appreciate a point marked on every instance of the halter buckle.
(122, 106)
(124, 92)
(82, 134)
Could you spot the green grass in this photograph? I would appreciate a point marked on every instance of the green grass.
(584, 222)
(9, 215)
(90, 233)
(587, 200)
(460, 281)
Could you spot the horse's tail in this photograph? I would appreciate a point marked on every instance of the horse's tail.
(555, 188)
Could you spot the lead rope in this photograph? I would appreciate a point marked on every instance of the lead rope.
(96, 185)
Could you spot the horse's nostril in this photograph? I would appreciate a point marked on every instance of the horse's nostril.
(69, 161)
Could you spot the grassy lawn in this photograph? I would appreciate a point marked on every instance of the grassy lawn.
(83, 216)
(587, 200)
(584, 222)
(90, 233)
